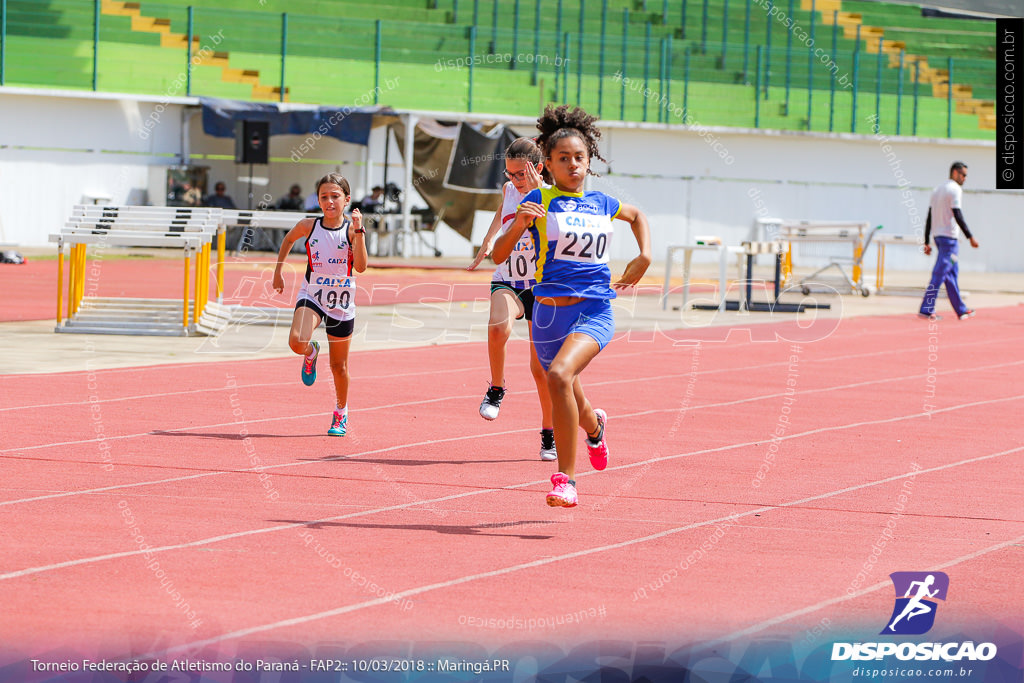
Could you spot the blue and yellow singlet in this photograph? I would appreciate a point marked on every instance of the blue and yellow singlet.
(572, 241)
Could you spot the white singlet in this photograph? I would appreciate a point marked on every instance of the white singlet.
(519, 270)
(329, 283)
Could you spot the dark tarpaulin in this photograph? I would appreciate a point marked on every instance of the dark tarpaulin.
(348, 124)
(432, 156)
(478, 159)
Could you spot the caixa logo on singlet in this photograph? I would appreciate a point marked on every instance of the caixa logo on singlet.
(914, 611)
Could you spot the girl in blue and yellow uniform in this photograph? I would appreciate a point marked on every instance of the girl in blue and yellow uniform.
(335, 247)
(572, 314)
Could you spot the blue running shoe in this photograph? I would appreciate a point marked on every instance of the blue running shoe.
(339, 425)
(309, 366)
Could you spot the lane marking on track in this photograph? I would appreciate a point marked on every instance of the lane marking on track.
(674, 351)
(405, 404)
(390, 449)
(250, 532)
(768, 623)
(295, 621)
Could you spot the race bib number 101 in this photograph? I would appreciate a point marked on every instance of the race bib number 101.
(583, 238)
(522, 263)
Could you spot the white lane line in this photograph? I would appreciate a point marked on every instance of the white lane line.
(295, 621)
(673, 351)
(476, 492)
(390, 449)
(441, 399)
(774, 621)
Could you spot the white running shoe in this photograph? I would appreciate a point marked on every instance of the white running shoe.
(547, 445)
(491, 404)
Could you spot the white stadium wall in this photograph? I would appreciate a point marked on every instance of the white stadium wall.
(58, 149)
(718, 182)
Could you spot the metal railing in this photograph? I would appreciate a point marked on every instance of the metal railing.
(730, 69)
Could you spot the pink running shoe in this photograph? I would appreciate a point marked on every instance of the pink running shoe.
(599, 451)
(564, 493)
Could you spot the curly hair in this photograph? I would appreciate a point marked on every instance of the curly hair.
(561, 122)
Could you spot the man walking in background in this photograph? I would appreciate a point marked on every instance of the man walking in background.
(942, 212)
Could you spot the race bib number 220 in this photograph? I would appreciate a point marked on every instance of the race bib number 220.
(583, 238)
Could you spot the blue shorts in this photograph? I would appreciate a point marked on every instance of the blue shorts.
(552, 324)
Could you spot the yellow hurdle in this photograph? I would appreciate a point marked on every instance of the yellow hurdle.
(222, 237)
(880, 267)
(208, 248)
(184, 308)
(197, 298)
(81, 277)
(787, 263)
(202, 280)
(60, 280)
(71, 280)
(858, 251)
(77, 280)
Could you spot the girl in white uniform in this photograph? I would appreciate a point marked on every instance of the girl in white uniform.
(511, 287)
(335, 247)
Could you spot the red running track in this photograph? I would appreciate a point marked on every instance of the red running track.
(202, 505)
(247, 281)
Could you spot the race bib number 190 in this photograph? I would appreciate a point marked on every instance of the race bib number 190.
(333, 294)
(583, 238)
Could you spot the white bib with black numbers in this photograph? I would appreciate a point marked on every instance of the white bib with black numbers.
(329, 283)
(520, 268)
(522, 263)
(583, 237)
(334, 295)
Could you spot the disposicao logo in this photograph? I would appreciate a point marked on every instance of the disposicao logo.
(916, 595)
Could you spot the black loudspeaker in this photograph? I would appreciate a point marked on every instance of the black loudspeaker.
(252, 142)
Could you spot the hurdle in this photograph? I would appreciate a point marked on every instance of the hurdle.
(916, 290)
(192, 230)
(750, 250)
(256, 224)
(262, 228)
(856, 233)
(895, 240)
(702, 244)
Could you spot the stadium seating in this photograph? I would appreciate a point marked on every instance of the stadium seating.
(711, 45)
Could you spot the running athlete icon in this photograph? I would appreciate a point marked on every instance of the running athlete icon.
(917, 602)
(917, 606)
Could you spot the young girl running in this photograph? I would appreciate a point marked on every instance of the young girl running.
(335, 246)
(511, 293)
(572, 316)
